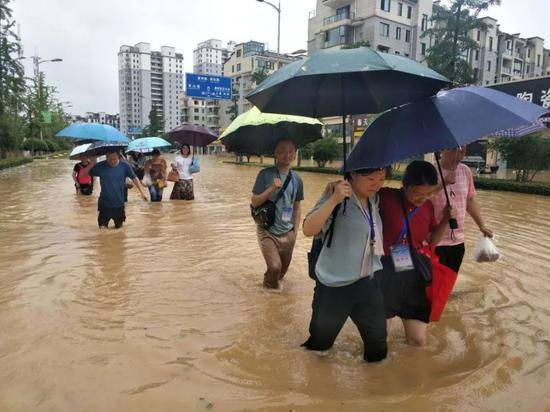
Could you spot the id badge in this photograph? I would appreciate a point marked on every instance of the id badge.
(401, 256)
(287, 214)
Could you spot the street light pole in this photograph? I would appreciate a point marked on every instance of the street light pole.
(278, 9)
(36, 61)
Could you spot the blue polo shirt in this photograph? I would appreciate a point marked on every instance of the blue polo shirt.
(113, 182)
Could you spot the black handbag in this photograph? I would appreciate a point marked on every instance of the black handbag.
(264, 215)
(421, 262)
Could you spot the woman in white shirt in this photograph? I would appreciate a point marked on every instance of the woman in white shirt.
(183, 189)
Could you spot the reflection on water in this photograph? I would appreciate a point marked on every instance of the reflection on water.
(170, 313)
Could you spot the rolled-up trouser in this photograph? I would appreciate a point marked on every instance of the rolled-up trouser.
(363, 302)
(277, 252)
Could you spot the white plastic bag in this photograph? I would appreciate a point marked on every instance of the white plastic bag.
(486, 251)
(147, 180)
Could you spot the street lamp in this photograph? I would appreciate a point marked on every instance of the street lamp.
(278, 21)
(37, 62)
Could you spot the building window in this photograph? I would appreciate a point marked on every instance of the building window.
(385, 5)
(490, 44)
(400, 9)
(398, 33)
(424, 22)
(538, 60)
(239, 53)
(489, 66)
(384, 29)
(423, 50)
(407, 36)
(238, 67)
(477, 55)
(476, 73)
(409, 12)
(478, 35)
(529, 53)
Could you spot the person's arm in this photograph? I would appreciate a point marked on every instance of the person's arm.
(140, 188)
(259, 199)
(440, 230)
(87, 169)
(315, 221)
(473, 210)
(297, 215)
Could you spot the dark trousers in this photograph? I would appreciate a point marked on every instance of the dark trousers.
(451, 256)
(361, 301)
(107, 213)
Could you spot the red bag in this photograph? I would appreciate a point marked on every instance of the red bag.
(443, 281)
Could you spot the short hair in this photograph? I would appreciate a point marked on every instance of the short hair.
(285, 139)
(112, 150)
(185, 145)
(368, 171)
(155, 152)
(420, 172)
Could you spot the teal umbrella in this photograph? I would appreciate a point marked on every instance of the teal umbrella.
(338, 82)
(254, 132)
(147, 144)
(90, 132)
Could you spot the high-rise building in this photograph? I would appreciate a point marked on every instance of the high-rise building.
(97, 117)
(208, 58)
(393, 26)
(149, 80)
(245, 65)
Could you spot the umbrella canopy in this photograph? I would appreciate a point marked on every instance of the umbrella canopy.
(193, 135)
(337, 82)
(97, 149)
(452, 118)
(93, 131)
(79, 151)
(255, 132)
(147, 144)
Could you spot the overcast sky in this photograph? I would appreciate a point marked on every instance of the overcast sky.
(88, 34)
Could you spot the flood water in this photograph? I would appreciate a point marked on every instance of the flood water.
(169, 313)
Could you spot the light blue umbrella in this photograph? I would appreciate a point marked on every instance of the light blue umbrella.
(147, 144)
(89, 132)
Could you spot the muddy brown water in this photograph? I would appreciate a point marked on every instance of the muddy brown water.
(169, 312)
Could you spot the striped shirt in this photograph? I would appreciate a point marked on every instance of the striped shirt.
(459, 193)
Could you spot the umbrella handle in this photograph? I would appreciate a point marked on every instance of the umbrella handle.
(453, 224)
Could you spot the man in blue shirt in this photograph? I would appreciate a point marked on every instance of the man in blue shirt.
(112, 175)
(277, 242)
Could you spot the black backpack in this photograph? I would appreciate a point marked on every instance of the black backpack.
(317, 245)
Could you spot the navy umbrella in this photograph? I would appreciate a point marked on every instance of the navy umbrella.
(448, 120)
(451, 119)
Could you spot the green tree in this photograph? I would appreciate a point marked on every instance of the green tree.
(12, 83)
(259, 75)
(527, 155)
(323, 150)
(450, 33)
(233, 109)
(155, 123)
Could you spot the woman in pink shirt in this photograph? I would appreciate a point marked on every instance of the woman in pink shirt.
(460, 188)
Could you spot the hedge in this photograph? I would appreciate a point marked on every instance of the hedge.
(16, 161)
(535, 188)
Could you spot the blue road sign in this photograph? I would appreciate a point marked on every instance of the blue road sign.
(134, 130)
(205, 86)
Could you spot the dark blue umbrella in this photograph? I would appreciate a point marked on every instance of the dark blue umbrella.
(451, 119)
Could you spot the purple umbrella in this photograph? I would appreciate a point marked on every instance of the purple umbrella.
(193, 135)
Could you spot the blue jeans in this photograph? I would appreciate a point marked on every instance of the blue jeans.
(155, 193)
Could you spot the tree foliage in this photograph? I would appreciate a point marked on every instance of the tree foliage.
(451, 36)
(527, 155)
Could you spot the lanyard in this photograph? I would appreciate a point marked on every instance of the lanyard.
(403, 232)
(369, 217)
(291, 184)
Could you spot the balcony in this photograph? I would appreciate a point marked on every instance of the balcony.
(336, 3)
(338, 17)
(506, 70)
